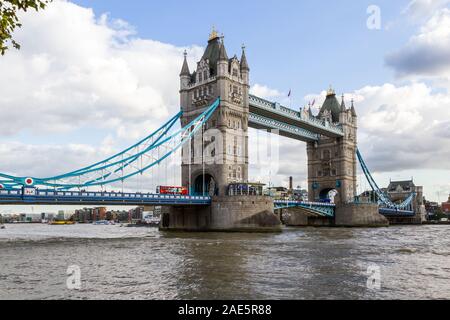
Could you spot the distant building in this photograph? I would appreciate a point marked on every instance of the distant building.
(277, 192)
(399, 191)
(432, 208)
(446, 206)
(299, 194)
(367, 197)
(61, 215)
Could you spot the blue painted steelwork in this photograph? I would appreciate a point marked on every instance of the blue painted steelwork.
(396, 212)
(323, 209)
(129, 163)
(260, 122)
(37, 196)
(273, 110)
(383, 199)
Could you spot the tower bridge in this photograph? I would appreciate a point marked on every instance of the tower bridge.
(216, 112)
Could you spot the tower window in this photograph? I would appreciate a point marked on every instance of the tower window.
(205, 75)
(235, 72)
(200, 78)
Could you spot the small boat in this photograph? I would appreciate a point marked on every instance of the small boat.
(104, 223)
(61, 223)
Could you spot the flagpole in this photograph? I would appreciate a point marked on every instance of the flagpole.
(290, 98)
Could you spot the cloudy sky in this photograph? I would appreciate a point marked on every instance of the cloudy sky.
(94, 76)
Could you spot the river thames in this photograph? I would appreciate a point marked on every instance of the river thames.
(143, 263)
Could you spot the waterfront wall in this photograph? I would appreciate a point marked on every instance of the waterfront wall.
(238, 213)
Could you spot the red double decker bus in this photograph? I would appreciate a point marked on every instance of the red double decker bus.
(172, 190)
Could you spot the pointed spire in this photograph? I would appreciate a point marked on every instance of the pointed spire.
(185, 69)
(310, 110)
(222, 51)
(244, 63)
(343, 108)
(353, 109)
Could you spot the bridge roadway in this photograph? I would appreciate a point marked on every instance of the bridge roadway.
(52, 197)
(292, 124)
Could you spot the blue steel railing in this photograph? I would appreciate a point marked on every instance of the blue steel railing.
(323, 209)
(30, 195)
(278, 125)
(294, 115)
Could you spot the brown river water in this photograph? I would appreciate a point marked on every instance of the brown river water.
(142, 263)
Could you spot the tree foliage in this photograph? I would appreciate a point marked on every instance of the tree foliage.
(9, 20)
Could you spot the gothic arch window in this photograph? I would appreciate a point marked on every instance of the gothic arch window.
(205, 75)
(200, 77)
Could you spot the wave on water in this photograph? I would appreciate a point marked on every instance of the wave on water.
(407, 250)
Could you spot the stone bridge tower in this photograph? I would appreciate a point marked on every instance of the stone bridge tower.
(218, 155)
(332, 162)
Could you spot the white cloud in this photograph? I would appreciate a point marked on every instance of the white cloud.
(427, 53)
(22, 159)
(75, 69)
(404, 127)
(265, 92)
(420, 9)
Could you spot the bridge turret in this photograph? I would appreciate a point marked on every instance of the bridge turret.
(244, 66)
(185, 79)
(353, 110)
(224, 150)
(331, 108)
(332, 161)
